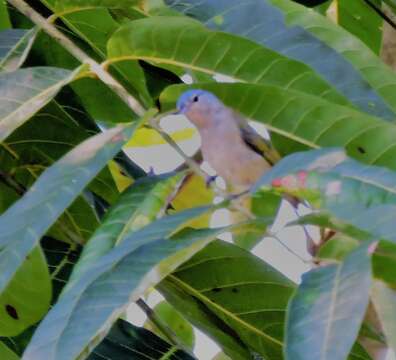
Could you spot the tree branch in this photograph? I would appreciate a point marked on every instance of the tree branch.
(96, 68)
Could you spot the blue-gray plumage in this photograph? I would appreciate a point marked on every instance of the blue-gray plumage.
(231, 147)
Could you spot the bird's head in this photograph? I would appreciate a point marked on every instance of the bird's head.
(199, 106)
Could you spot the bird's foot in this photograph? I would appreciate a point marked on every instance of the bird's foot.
(210, 180)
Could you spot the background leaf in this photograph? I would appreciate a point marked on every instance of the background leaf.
(306, 36)
(24, 92)
(15, 46)
(31, 281)
(176, 322)
(182, 43)
(126, 341)
(54, 191)
(359, 19)
(325, 314)
(218, 281)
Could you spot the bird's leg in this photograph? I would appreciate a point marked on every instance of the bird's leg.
(210, 180)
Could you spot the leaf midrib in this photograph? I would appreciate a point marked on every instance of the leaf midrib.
(204, 299)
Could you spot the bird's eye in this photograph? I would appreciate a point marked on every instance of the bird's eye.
(195, 98)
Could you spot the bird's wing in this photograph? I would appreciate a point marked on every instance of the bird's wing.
(256, 142)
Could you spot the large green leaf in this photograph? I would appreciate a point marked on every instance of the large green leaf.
(15, 45)
(359, 19)
(326, 312)
(307, 120)
(182, 43)
(346, 182)
(100, 295)
(126, 341)
(302, 34)
(92, 22)
(236, 298)
(137, 206)
(50, 195)
(91, 92)
(24, 92)
(31, 281)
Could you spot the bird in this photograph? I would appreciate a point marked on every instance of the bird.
(234, 150)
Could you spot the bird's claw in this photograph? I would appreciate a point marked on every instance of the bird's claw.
(210, 179)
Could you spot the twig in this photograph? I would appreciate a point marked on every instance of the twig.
(79, 54)
(8, 180)
(290, 250)
(161, 325)
(195, 167)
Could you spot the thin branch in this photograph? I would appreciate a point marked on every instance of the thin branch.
(195, 167)
(79, 54)
(99, 70)
(161, 325)
(8, 180)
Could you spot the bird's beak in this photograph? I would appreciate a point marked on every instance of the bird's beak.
(181, 110)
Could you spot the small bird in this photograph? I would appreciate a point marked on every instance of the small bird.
(231, 147)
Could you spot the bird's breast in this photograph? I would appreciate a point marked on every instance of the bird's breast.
(232, 159)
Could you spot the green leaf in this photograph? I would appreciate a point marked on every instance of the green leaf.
(50, 195)
(6, 353)
(92, 22)
(24, 92)
(304, 35)
(324, 159)
(175, 321)
(181, 43)
(81, 5)
(264, 205)
(384, 263)
(122, 275)
(61, 258)
(15, 46)
(384, 300)
(139, 205)
(337, 247)
(359, 19)
(235, 297)
(326, 312)
(307, 120)
(31, 281)
(376, 222)
(91, 92)
(346, 183)
(36, 145)
(4, 18)
(126, 341)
